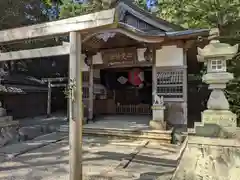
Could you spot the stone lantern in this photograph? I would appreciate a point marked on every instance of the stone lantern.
(215, 56)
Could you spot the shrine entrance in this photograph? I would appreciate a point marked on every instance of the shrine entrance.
(125, 98)
(122, 86)
(128, 91)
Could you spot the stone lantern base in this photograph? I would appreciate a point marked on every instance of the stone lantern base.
(222, 118)
(158, 122)
(217, 123)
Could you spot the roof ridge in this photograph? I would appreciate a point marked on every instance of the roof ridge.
(149, 15)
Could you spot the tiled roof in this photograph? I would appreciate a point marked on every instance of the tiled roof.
(19, 83)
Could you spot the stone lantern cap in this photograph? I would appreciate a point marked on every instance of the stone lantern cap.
(217, 49)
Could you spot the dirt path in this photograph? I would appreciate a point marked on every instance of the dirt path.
(104, 158)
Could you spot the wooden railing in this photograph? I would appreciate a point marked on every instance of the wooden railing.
(133, 109)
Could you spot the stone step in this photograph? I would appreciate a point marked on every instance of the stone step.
(9, 123)
(14, 150)
(161, 136)
(158, 135)
(191, 131)
(6, 118)
(63, 128)
(198, 124)
(213, 141)
(29, 132)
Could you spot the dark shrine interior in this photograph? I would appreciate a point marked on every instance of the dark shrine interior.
(125, 92)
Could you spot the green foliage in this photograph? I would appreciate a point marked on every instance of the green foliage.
(18, 13)
(141, 3)
(15, 14)
(47, 2)
(198, 13)
(233, 87)
(70, 9)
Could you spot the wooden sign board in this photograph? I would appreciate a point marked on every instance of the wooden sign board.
(119, 56)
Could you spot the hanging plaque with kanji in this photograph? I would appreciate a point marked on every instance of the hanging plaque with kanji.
(119, 56)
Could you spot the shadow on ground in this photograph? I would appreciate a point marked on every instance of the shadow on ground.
(103, 158)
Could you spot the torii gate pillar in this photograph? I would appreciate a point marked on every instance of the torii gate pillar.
(75, 107)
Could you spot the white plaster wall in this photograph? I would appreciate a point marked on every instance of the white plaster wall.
(169, 56)
(97, 59)
(140, 54)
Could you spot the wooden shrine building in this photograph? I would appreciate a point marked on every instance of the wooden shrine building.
(130, 58)
(140, 45)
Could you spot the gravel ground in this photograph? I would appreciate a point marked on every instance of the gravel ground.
(101, 156)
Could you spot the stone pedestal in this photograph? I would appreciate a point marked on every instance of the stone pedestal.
(222, 118)
(217, 123)
(158, 122)
(157, 125)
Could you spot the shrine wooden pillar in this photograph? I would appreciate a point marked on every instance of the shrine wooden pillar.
(49, 100)
(185, 88)
(90, 90)
(154, 73)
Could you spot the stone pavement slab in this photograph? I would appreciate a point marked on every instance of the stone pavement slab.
(153, 162)
(126, 122)
(13, 150)
(51, 162)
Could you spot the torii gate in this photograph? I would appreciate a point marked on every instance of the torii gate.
(74, 27)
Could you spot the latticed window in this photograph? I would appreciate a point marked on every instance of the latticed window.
(170, 83)
(217, 65)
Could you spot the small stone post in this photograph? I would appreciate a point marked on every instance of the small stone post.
(215, 55)
(158, 108)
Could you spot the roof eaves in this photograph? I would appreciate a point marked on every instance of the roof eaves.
(174, 34)
(148, 17)
(141, 32)
(188, 33)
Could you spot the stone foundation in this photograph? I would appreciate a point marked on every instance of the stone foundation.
(158, 125)
(217, 123)
(223, 118)
(158, 122)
